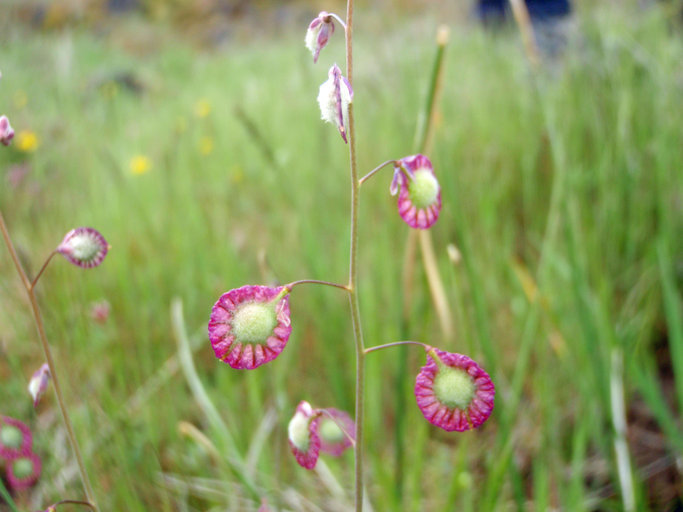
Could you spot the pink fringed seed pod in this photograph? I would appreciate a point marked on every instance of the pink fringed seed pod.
(336, 432)
(23, 471)
(419, 193)
(15, 438)
(84, 247)
(250, 326)
(453, 392)
(302, 433)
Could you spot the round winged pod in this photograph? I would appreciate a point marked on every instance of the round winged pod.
(250, 326)
(454, 392)
(419, 193)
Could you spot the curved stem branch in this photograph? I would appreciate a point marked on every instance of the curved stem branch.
(371, 173)
(341, 21)
(316, 281)
(75, 502)
(42, 269)
(396, 344)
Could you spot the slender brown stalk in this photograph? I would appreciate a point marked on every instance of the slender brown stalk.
(42, 269)
(371, 173)
(37, 317)
(353, 273)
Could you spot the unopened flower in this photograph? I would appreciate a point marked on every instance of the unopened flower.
(6, 131)
(318, 33)
(302, 433)
(24, 471)
(38, 383)
(453, 392)
(84, 247)
(334, 97)
(15, 438)
(27, 141)
(336, 430)
(419, 194)
(250, 326)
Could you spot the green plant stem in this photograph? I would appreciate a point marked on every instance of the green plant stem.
(395, 344)
(353, 273)
(50, 362)
(424, 133)
(316, 281)
(7, 497)
(74, 502)
(228, 444)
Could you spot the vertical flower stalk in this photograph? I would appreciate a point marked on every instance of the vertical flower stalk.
(37, 316)
(353, 272)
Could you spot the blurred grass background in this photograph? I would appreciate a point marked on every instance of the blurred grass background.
(195, 151)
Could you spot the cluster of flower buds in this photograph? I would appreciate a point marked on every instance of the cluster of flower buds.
(22, 465)
(311, 431)
(336, 93)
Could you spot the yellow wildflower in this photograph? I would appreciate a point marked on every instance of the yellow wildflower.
(206, 145)
(140, 164)
(27, 141)
(202, 108)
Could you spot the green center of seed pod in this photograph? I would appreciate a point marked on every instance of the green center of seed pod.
(330, 431)
(254, 322)
(11, 436)
(423, 189)
(22, 467)
(84, 247)
(297, 430)
(454, 387)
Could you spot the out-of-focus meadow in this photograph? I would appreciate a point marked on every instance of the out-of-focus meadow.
(199, 154)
